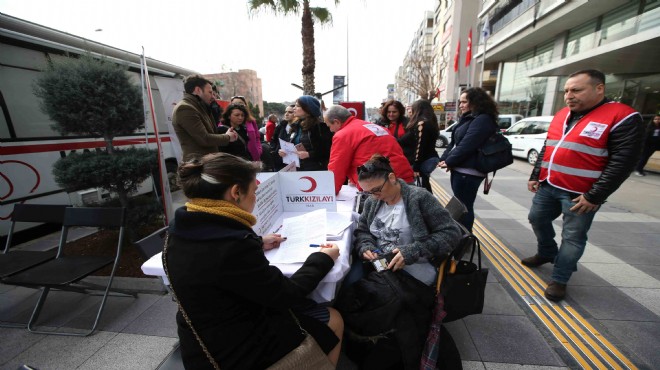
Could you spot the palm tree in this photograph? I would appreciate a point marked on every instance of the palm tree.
(308, 15)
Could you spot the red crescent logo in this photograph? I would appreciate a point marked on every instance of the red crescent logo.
(312, 183)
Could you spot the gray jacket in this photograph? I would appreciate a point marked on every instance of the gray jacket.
(434, 232)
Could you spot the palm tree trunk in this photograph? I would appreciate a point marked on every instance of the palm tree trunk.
(309, 61)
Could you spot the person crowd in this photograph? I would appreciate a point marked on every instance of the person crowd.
(238, 311)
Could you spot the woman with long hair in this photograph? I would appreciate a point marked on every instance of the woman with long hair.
(477, 123)
(310, 134)
(235, 117)
(242, 309)
(282, 131)
(254, 144)
(423, 127)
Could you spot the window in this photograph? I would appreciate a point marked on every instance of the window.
(619, 23)
(580, 39)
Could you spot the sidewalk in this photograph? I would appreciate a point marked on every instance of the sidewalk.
(616, 289)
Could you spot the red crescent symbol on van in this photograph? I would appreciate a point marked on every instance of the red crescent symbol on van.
(312, 183)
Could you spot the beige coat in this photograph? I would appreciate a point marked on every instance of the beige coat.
(194, 126)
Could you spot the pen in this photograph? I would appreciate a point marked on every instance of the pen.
(314, 245)
(278, 229)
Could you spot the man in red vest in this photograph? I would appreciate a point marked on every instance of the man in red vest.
(355, 141)
(591, 148)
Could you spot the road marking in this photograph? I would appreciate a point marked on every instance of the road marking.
(582, 341)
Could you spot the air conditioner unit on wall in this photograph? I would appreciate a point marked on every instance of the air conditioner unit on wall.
(89, 197)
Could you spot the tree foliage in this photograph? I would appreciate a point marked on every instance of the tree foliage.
(420, 73)
(308, 15)
(90, 97)
(274, 108)
(94, 97)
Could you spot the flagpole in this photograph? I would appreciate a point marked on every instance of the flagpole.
(483, 64)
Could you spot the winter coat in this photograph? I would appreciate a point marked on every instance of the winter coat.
(194, 127)
(238, 303)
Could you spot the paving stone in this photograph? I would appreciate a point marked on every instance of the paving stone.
(499, 302)
(118, 313)
(649, 298)
(625, 227)
(651, 270)
(499, 338)
(623, 275)
(13, 342)
(499, 366)
(159, 319)
(473, 365)
(130, 351)
(641, 337)
(17, 304)
(623, 239)
(496, 224)
(463, 341)
(58, 352)
(649, 255)
(609, 303)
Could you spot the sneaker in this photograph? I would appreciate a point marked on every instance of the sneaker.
(536, 260)
(637, 173)
(555, 291)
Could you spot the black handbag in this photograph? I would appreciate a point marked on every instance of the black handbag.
(462, 282)
(494, 154)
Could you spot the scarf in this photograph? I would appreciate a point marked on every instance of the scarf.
(221, 208)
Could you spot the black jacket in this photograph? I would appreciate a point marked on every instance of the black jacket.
(623, 147)
(317, 141)
(238, 147)
(237, 302)
(469, 135)
(392, 304)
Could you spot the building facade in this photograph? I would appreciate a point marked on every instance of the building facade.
(535, 44)
(415, 77)
(245, 83)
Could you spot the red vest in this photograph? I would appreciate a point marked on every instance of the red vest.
(575, 160)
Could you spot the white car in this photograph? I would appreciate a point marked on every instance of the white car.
(504, 121)
(444, 138)
(527, 137)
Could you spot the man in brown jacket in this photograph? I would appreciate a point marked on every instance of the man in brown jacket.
(193, 121)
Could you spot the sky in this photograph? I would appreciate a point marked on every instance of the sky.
(219, 36)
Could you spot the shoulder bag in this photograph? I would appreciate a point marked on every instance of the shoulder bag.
(462, 283)
(308, 355)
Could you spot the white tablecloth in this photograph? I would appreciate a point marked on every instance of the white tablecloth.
(326, 289)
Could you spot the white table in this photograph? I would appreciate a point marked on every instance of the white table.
(327, 288)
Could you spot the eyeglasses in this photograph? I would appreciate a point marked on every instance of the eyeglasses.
(376, 190)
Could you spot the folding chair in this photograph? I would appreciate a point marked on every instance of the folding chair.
(151, 245)
(17, 261)
(456, 208)
(65, 272)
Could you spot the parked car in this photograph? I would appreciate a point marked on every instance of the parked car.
(445, 136)
(527, 137)
(504, 121)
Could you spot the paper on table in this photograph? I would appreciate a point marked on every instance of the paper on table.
(300, 232)
(291, 153)
(337, 223)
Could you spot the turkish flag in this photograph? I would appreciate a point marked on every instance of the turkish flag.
(468, 52)
(458, 55)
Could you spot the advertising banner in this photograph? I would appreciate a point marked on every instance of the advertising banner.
(338, 95)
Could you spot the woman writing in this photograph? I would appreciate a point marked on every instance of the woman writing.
(477, 123)
(234, 118)
(407, 225)
(237, 305)
(310, 134)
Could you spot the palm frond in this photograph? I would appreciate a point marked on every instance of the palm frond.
(322, 14)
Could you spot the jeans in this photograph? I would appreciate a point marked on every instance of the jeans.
(548, 203)
(465, 188)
